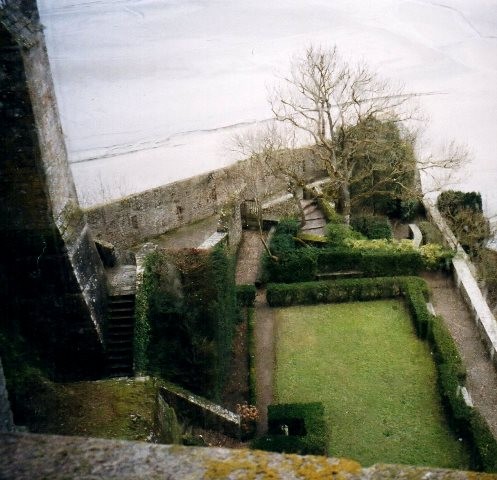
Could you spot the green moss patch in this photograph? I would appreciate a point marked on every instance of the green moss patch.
(120, 409)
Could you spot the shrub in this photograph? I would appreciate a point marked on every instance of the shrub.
(372, 226)
(435, 256)
(289, 226)
(451, 202)
(314, 440)
(298, 265)
(339, 233)
(409, 208)
(245, 295)
(431, 234)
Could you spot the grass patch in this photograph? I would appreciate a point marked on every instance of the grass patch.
(119, 409)
(376, 379)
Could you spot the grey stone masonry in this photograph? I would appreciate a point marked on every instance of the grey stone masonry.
(6, 420)
(28, 457)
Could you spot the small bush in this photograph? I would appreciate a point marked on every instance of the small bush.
(338, 233)
(373, 226)
(245, 295)
(451, 202)
(289, 226)
(313, 442)
(435, 256)
(431, 234)
(293, 266)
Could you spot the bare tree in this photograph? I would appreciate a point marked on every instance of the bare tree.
(341, 110)
(272, 150)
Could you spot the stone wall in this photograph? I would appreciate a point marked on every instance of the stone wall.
(24, 457)
(54, 280)
(6, 420)
(201, 412)
(463, 271)
(137, 218)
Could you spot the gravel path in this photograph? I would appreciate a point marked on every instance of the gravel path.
(481, 381)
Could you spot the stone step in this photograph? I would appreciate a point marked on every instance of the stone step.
(120, 308)
(313, 224)
(306, 203)
(114, 328)
(315, 216)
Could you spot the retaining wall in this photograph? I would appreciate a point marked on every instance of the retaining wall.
(463, 271)
(200, 411)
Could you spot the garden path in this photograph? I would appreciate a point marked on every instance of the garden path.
(247, 270)
(481, 381)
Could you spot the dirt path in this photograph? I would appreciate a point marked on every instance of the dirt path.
(481, 381)
(249, 258)
(264, 357)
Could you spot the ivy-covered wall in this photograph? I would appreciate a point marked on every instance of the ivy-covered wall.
(186, 312)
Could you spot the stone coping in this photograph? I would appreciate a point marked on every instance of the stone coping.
(29, 456)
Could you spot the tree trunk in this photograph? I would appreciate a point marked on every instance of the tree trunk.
(344, 200)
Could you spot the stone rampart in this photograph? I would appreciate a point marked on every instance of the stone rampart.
(56, 286)
(137, 218)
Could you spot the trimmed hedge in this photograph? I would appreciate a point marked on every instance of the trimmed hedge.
(372, 226)
(313, 442)
(347, 290)
(304, 264)
(245, 295)
(484, 442)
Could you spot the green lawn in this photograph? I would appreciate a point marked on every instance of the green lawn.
(376, 379)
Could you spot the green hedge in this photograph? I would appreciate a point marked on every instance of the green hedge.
(333, 291)
(313, 442)
(302, 265)
(484, 442)
(378, 263)
(372, 226)
(245, 295)
(185, 315)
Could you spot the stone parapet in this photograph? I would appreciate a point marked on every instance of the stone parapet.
(463, 271)
(25, 456)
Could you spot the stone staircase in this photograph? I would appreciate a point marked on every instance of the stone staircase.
(314, 220)
(120, 320)
(120, 329)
